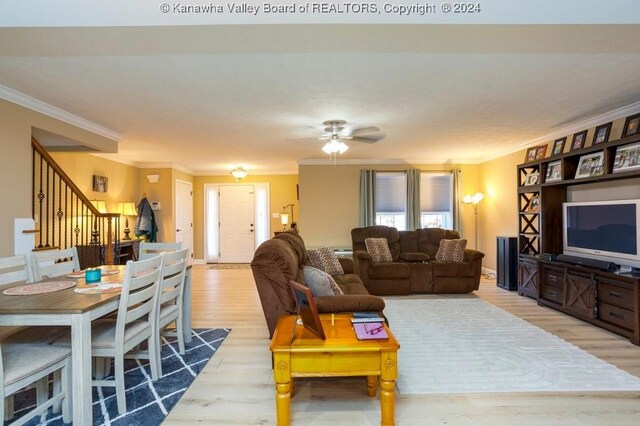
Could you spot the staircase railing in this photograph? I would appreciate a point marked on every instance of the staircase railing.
(66, 217)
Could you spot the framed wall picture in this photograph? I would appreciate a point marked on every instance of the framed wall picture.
(601, 135)
(558, 146)
(578, 140)
(541, 151)
(554, 171)
(631, 125)
(100, 183)
(627, 158)
(590, 165)
(531, 154)
(531, 179)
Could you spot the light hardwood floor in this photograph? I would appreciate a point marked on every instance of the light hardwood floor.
(236, 387)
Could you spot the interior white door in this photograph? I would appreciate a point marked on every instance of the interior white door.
(184, 215)
(237, 227)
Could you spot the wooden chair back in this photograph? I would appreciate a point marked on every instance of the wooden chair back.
(15, 269)
(148, 250)
(173, 274)
(138, 296)
(54, 263)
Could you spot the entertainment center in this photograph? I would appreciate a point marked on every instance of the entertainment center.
(582, 282)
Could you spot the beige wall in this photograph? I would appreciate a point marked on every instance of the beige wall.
(282, 191)
(329, 197)
(162, 191)
(498, 211)
(15, 161)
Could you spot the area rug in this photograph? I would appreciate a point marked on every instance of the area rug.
(148, 403)
(229, 266)
(469, 346)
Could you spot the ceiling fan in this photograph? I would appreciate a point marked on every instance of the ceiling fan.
(336, 133)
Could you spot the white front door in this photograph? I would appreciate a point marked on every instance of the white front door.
(184, 215)
(237, 227)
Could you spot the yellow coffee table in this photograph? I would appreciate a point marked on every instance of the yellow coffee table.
(341, 354)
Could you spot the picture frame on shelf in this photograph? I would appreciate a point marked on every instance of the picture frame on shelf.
(554, 171)
(627, 158)
(532, 179)
(541, 151)
(601, 135)
(578, 140)
(631, 126)
(534, 205)
(590, 165)
(531, 154)
(558, 146)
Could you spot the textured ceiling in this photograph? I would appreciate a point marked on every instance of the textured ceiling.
(210, 98)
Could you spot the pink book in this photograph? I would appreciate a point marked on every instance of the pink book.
(370, 331)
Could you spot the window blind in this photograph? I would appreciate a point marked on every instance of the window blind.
(391, 192)
(436, 192)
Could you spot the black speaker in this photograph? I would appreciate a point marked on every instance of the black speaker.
(592, 263)
(507, 256)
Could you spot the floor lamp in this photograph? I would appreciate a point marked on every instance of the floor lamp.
(474, 200)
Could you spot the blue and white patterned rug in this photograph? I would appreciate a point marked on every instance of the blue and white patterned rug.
(148, 403)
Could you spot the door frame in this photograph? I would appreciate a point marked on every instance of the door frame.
(175, 223)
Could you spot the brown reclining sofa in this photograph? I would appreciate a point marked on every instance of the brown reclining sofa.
(414, 268)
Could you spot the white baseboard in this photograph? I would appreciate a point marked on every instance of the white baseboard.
(199, 262)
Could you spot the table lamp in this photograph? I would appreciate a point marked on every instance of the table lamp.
(127, 209)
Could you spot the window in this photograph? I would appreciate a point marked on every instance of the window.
(391, 199)
(436, 200)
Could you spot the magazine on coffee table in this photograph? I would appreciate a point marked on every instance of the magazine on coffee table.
(370, 331)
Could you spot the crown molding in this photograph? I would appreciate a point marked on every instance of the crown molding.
(165, 166)
(34, 104)
(252, 173)
(570, 129)
(407, 162)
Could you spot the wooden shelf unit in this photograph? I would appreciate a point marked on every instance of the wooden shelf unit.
(602, 298)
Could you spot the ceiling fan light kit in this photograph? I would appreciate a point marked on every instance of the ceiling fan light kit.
(336, 135)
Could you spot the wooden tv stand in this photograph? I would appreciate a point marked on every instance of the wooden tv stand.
(605, 299)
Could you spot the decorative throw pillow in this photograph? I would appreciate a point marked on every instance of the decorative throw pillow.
(325, 258)
(378, 249)
(320, 283)
(451, 250)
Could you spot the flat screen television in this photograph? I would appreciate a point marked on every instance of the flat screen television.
(603, 230)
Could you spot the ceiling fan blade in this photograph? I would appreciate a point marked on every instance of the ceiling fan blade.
(367, 139)
(364, 130)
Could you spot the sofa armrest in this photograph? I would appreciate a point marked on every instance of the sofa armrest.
(361, 255)
(347, 264)
(349, 303)
(471, 255)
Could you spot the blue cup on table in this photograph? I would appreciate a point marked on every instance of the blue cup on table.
(93, 275)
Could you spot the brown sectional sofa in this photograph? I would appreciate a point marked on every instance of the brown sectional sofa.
(282, 259)
(414, 268)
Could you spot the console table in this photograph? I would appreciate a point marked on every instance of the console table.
(93, 255)
(605, 299)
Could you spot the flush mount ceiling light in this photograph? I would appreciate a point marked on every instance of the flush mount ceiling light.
(239, 173)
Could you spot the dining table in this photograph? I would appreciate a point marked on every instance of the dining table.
(77, 310)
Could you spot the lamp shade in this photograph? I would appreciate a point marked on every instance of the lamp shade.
(284, 218)
(127, 208)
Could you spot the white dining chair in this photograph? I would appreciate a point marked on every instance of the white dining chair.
(15, 269)
(169, 297)
(148, 250)
(135, 323)
(54, 263)
(25, 364)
